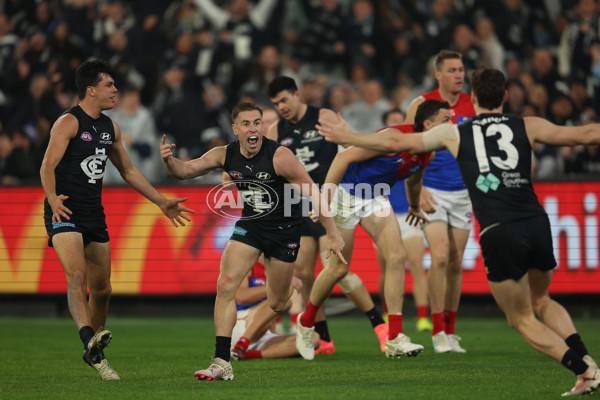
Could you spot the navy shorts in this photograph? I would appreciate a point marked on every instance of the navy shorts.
(281, 244)
(91, 225)
(312, 229)
(511, 249)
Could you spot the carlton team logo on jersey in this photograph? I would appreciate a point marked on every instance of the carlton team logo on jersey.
(86, 136)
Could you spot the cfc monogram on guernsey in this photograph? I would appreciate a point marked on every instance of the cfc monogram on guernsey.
(82, 167)
(313, 151)
(494, 157)
(262, 190)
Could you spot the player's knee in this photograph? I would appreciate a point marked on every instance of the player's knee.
(101, 294)
(539, 303)
(350, 282)
(395, 260)
(339, 271)
(305, 274)
(77, 279)
(439, 261)
(279, 305)
(225, 286)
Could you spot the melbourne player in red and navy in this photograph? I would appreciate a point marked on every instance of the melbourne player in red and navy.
(443, 190)
(364, 178)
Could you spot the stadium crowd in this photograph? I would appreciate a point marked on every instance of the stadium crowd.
(181, 66)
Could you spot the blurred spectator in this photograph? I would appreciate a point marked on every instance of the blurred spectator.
(463, 41)
(365, 38)
(575, 42)
(538, 96)
(313, 91)
(38, 110)
(544, 70)
(322, 43)
(266, 68)
(587, 161)
(492, 52)
(516, 98)
(394, 116)
(364, 114)
(139, 136)
(240, 24)
(438, 26)
(15, 168)
(339, 97)
(405, 66)
(181, 113)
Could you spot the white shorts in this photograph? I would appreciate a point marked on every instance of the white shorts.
(348, 209)
(240, 328)
(408, 231)
(453, 208)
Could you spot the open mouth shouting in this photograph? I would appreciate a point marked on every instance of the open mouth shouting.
(253, 141)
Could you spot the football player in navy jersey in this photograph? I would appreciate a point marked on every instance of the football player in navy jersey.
(493, 151)
(263, 171)
(296, 130)
(81, 141)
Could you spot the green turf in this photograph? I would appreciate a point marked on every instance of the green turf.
(156, 358)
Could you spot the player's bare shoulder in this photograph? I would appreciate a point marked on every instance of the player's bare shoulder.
(66, 125)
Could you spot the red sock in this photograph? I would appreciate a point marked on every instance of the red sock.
(243, 343)
(449, 320)
(422, 311)
(395, 323)
(384, 307)
(438, 322)
(252, 354)
(294, 318)
(278, 319)
(308, 316)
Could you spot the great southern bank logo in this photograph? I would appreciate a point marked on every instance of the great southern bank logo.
(225, 201)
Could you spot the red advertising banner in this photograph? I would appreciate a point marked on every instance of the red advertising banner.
(150, 256)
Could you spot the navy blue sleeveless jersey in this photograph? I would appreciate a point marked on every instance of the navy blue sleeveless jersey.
(494, 158)
(80, 171)
(313, 151)
(262, 190)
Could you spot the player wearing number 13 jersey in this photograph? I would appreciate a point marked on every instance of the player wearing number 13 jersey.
(494, 154)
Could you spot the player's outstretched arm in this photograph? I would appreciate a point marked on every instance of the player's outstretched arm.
(340, 164)
(543, 131)
(388, 140)
(287, 165)
(212, 159)
(134, 178)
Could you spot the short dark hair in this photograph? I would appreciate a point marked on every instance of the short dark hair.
(445, 55)
(386, 114)
(488, 85)
(89, 73)
(280, 84)
(427, 111)
(244, 106)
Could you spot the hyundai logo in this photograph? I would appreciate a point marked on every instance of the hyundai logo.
(263, 175)
(105, 136)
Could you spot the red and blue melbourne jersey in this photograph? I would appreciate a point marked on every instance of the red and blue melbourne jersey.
(361, 178)
(257, 278)
(443, 172)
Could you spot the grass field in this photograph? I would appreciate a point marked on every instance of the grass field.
(156, 359)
